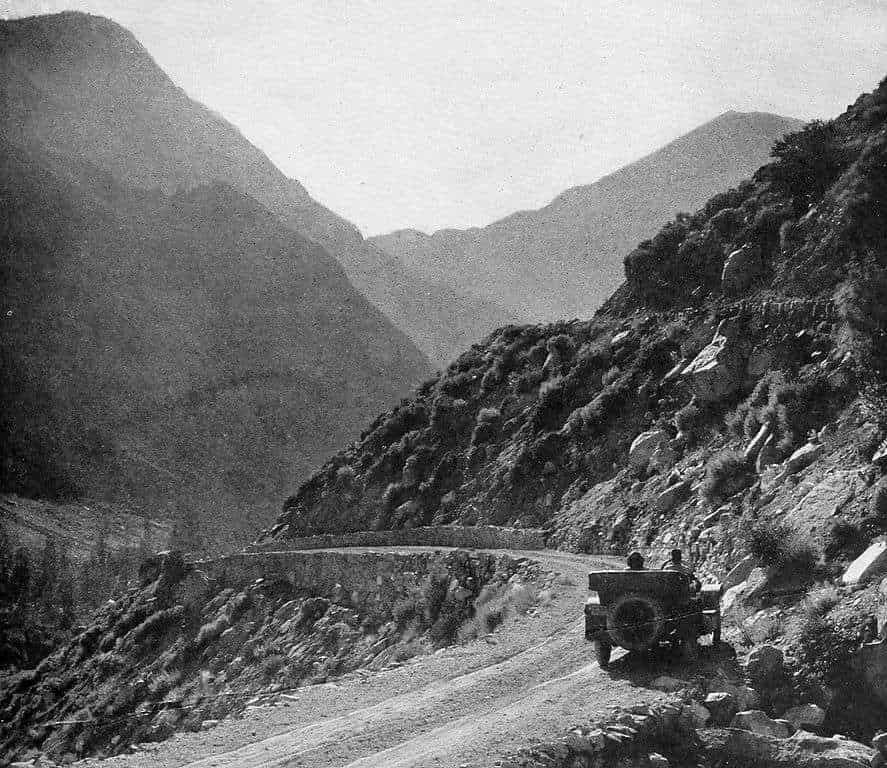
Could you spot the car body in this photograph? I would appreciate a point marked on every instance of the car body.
(639, 609)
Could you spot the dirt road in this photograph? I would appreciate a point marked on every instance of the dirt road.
(462, 706)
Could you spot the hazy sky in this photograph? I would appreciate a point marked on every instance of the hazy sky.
(404, 113)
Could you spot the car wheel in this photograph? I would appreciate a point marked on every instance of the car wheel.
(635, 621)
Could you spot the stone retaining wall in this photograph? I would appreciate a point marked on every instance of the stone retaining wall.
(473, 537)
(361, 578)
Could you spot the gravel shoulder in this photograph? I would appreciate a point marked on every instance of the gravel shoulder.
(464, 705)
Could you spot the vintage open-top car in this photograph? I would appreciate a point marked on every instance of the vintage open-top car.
(640, 609)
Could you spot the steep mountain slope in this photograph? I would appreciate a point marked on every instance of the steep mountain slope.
(566, 258)
(83, 86)
(726, 323)
(184, 351)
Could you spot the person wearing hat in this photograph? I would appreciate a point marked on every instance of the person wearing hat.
(635, 561)
(676, 563)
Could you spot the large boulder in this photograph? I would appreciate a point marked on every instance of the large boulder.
(870, 563)
(722, 706)
(740, 572)
(644, 446)
(746, 593)
(802, 750)
(716, 372)
(805, 715)
(803, 457)
(663, 458)
(764, 664)
(672, 496)
(756, 721)
(741, 268)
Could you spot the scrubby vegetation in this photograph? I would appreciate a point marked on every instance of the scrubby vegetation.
(524, 424)
(179, 648)
(726, 475)
(783, 548)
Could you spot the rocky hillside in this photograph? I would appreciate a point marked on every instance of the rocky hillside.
(565, 259)
(168, 341)
(729, 399)
(759, 309)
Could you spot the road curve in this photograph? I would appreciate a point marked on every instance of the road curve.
(464, 705)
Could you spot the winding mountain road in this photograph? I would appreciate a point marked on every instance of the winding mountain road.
(462, 706)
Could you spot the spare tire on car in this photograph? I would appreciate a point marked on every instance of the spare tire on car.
(635, 621)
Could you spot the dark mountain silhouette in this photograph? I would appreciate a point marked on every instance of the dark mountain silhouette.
(166, 337)
(563, 260)
(85, 86)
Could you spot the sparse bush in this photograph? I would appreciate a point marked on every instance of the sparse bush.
(211, 631)
(561, 343)
(495, 604)
(807, 162)
(688, 420)
(405, 611)
(845, 540)
(405, 419)
(486, 427)
(435, 591)
(529, 382)
(726, 475)
(825, 648)
(792, 408)
(393, 496)
(610, 376)
(459, 385)
(821, 600)
(157, 624)
(861, 302)
(783, 548)
(272, 664)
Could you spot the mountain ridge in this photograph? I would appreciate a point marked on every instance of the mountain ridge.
(563, 259)
(229, 347)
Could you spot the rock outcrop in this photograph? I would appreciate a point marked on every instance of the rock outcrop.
(716, 371)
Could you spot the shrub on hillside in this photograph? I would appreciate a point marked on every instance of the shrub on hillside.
(781, 547)
(726, 475)
(824, 650)
(486, 427)
(404, 419)
(845, 540)
(450, 418)
(393, 496)
(689, 420)
(807, 162)
(528, 382)
(792, 408)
